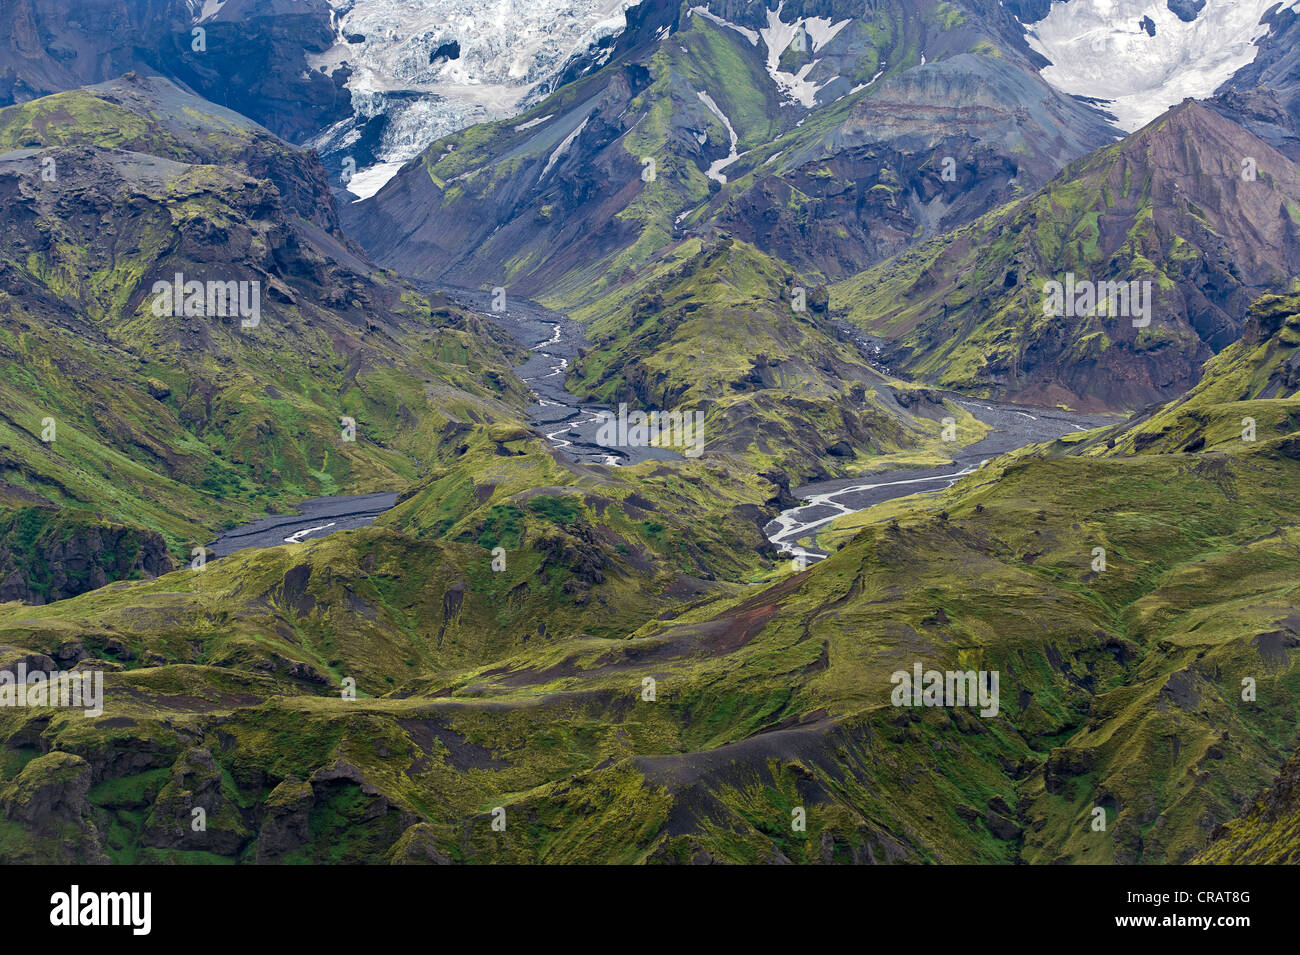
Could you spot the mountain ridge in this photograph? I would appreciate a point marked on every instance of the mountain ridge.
(1170, 205)
(554, 201)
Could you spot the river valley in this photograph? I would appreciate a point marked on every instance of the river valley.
(570, 424)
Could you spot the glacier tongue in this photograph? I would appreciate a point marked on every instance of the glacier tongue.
(1098, 49)
(506, 48)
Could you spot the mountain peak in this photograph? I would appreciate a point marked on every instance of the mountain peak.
(1194, 205)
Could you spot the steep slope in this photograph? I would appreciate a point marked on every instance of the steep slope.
(48, 554)
(420, 69)
(1264, 95)
(930, 148)
(702, 736)
(1210, 606)
(1120, 691)
(179, 421)
(825, 134)
(733, 334)
(249, 55)
(371, 83)
(1193, 205)
(1269, 833)
(1244, 394)
(1139, 58)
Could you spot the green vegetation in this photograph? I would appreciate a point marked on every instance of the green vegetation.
(183, 425)
(1120, 687)
(716, 329)
(611, 659)
(966, 310)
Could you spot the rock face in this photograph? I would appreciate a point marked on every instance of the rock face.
(178, 411)
(251, 55)
(824, 134)
(418, 70)
(1268, 833)
(284, 828)
(373, 81)
(258, 62)
(49, 799)
(935, 147)
(45, 556)
(196, 784)
(1264, 96)
(1176, 205)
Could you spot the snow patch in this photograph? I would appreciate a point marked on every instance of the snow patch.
(210, 9)
(746, 32)
(561, 149)
(777, 37)
(859, 89)
(533, 122)
(821, 31)
(715, 170)
(371, 179)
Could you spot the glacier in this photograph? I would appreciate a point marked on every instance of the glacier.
(1099, 50)
(507, 49)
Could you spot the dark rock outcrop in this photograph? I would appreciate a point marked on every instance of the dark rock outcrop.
(250, 57)
(45, 556)
(49, 798)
